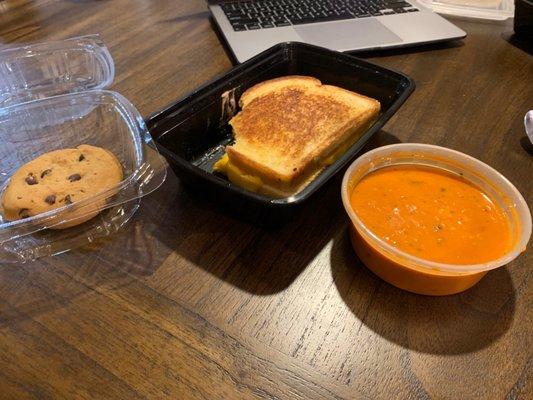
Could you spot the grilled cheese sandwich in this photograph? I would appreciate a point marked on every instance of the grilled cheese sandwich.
(288, 130)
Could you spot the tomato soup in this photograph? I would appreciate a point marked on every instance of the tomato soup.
(432, 214)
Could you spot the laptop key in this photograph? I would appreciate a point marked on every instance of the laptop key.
(343, 15)
(238, 28)
(336, 17)
(394, 4)
(252, 27)
(301, 21)
(267, 25)
(240, 18)
(282, 23)
(233, 13)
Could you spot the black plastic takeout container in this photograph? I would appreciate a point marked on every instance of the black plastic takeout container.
(192, 132)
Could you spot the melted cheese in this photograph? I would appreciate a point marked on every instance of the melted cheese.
(237, 176)
(254, 183)
(335, 155)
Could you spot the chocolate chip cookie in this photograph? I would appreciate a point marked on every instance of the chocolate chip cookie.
(60, 178)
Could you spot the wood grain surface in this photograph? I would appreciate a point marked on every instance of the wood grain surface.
(190, 303)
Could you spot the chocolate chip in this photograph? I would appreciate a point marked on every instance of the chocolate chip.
(45, 172)
(74, 177)
(82, 157)
(31, 180)
(23, 213)
(67, 199)
(50, 199)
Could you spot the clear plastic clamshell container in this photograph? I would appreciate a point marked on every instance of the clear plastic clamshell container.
(52, 97)
(484, 9)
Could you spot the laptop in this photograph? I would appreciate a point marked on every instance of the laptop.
(251, 26)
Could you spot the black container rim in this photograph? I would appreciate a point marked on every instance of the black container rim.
(221, 80)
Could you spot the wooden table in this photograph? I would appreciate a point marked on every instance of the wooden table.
(188, 303)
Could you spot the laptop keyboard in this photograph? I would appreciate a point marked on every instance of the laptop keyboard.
(264, 14)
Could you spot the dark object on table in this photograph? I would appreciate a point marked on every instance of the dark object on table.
(523, 19)
(192, 132)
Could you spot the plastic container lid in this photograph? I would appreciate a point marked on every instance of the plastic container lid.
(485, 9)
(47, 69)
(52, 97)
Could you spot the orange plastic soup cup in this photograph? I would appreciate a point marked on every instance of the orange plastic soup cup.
(415, 274)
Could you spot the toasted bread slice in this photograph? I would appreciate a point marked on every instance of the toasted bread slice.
(291, 128)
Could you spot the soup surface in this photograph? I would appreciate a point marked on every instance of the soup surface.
(432, 214)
